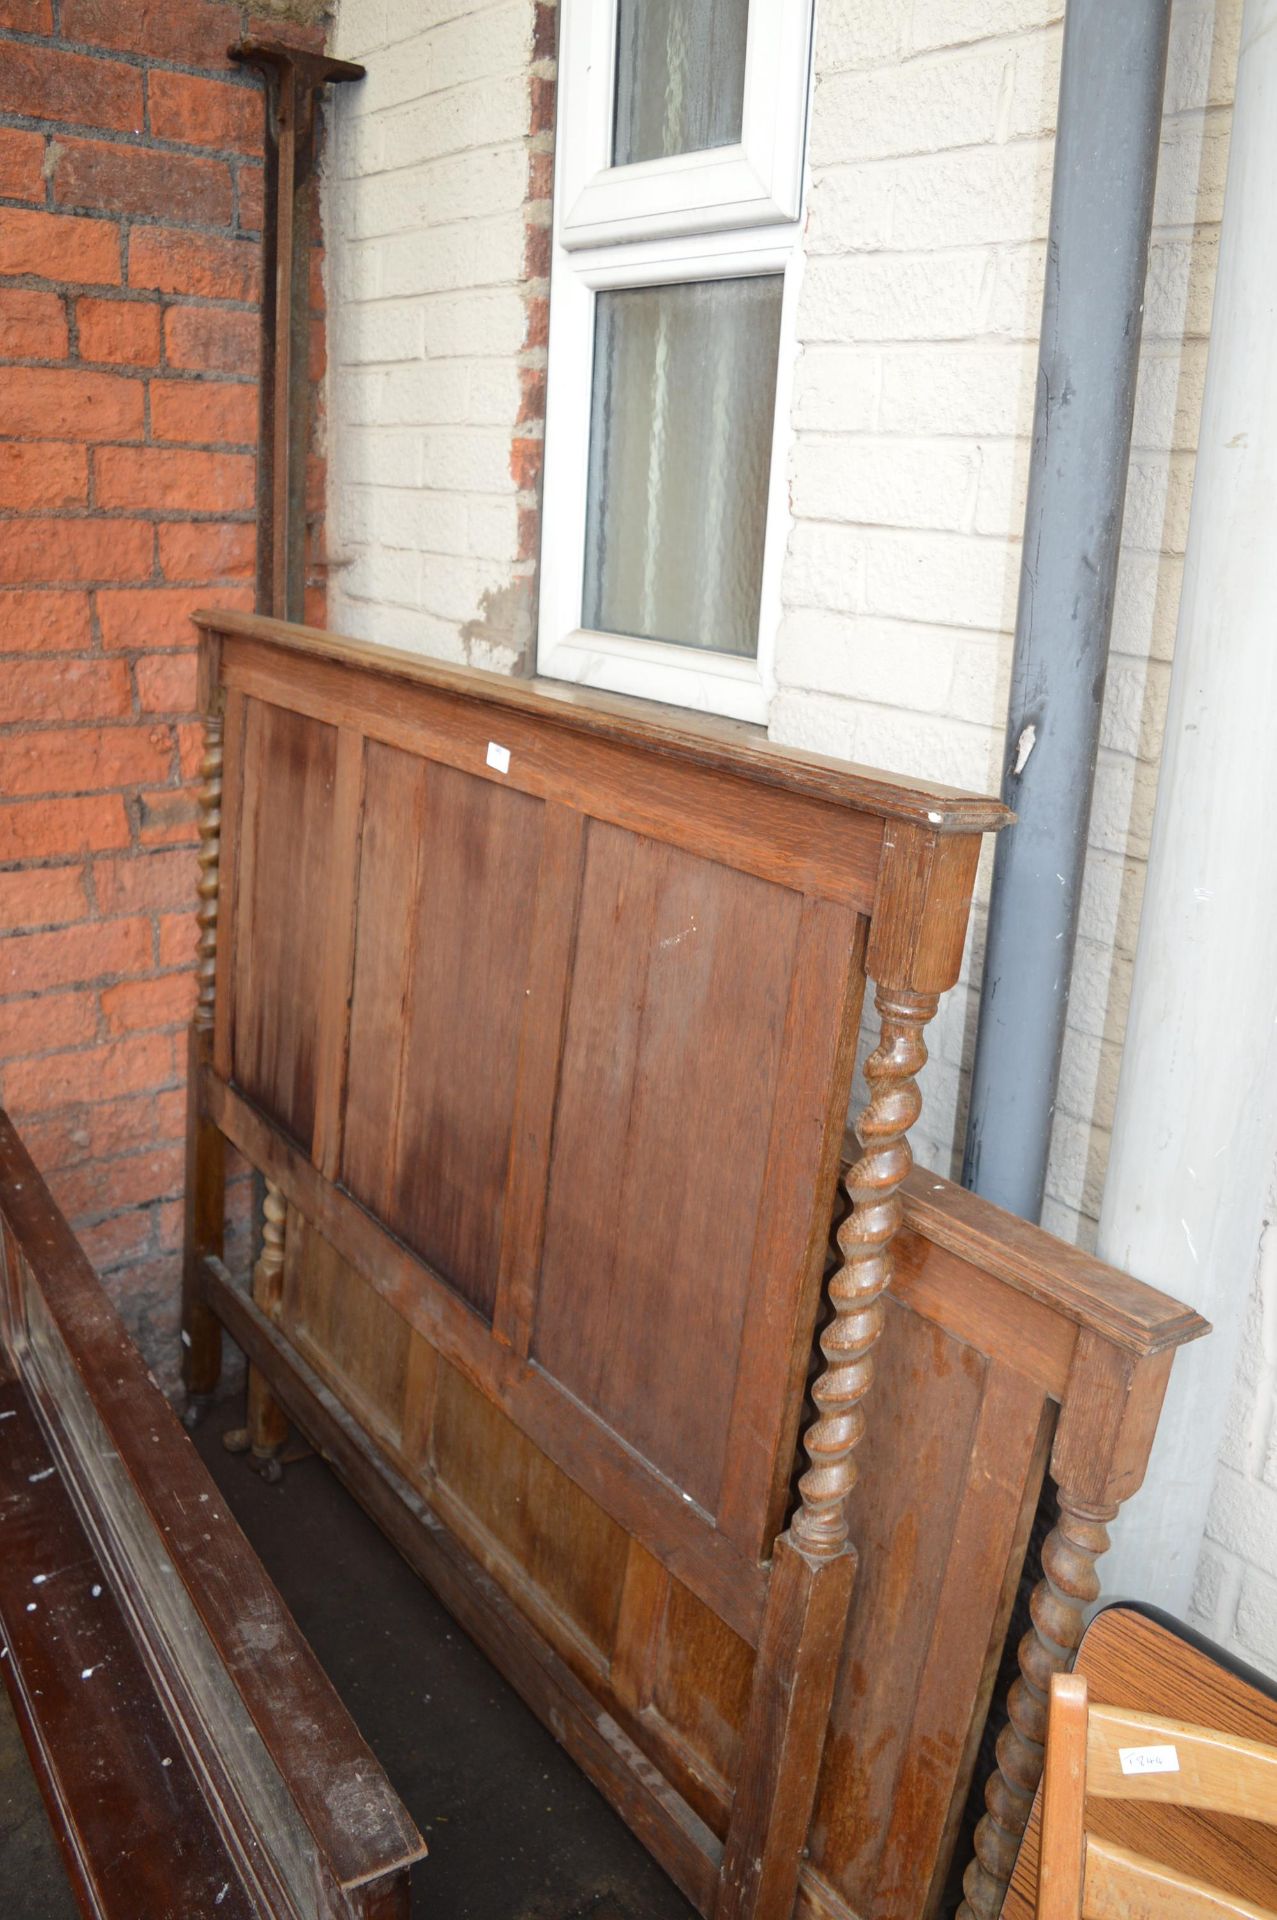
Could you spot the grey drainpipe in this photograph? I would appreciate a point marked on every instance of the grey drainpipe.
(1114, 67)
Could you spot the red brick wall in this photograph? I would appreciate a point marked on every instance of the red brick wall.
(130, 198)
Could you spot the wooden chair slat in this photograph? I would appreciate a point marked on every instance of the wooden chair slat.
(1121, 1885)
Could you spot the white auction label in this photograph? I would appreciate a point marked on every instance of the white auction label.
(1148, 1759)
(498, 757)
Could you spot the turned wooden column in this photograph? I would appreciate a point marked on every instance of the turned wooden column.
(266, 1427)
(267, 1421)
(914, 953)
(856, 1291)
(205, 1191)
(1107, 1422)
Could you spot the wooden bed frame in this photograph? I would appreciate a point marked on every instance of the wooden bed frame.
(537, 1011)
(193, 1756)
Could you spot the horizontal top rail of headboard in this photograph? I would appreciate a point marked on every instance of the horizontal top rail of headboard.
(716, 745)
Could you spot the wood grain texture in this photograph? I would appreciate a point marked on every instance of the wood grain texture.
(208, 859)
(676, 1010)
(791, 1240)
(664, 1822)
(203, 1223)
(1063, 1867)
(346, 1330)
(195, 1594)
(789, 838)
(1122, 1885)
(802, 1636)
(444, 937)
(1139, 1664)
(1072, 1285)
(929, 1392)
(579, 1145)
(231, 812)
(856, 1291)
(136, 1833)
(282, 911)
(719, 745)
(333, 1011)
(267, 1422)
(536, 1085)
(640, 1501)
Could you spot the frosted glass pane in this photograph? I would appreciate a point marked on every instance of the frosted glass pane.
(680, 76)
(680, 454)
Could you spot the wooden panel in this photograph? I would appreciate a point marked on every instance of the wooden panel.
(641, 1501)
(72, 1667)
(676, 1018)
(446, 900)
(281, 922)
(563, 1542)
(701, 1689)
(661, 1818)
(821, 849)
(344, 1327)
(926, 1402)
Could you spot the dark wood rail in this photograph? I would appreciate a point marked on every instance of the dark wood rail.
(538, 1010)
(193, 1755)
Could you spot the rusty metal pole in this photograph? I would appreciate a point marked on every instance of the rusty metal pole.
(292, 79)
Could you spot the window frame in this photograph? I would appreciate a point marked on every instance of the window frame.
(754, 182)
(670, 221)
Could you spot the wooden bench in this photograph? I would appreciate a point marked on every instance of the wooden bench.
(537, 1010)
(195, 1761)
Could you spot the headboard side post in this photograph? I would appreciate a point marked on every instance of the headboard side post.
(205, 1186)
(915, 952)
(916, 938)
(1105, 1433)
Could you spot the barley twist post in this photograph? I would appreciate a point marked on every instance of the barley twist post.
(1058, 1606)
(856, 1290)
(205, 1150)
(266, 1427)
(209, 858)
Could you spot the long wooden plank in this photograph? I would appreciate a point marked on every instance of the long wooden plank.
(333, 1010)
(281, 919)
(671, 1060)
(663, 1821)
(444, 931)
(271, 1725)
(792, 1233)
(1004, 1477)
(1065, 1279)
(702, 738)
(638, 1499)
(788, 838)
(230, 815)
(537, 1079)
(136, 1832)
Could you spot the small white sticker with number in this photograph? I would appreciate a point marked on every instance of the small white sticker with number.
(498, 757)
(1148, 1759)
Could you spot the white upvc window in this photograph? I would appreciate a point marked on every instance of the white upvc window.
(678, 193)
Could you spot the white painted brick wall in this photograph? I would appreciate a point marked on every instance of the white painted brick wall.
(931, 153)
(426, 183)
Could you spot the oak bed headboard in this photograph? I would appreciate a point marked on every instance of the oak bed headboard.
(537, 1009)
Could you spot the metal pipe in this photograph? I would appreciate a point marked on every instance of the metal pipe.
(1109, 121)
